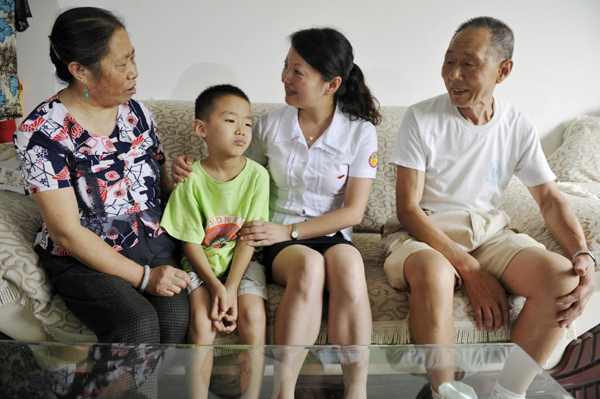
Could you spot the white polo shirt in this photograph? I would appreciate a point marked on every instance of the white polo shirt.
(309, 182)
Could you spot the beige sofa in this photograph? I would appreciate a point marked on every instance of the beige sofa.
(30, 310)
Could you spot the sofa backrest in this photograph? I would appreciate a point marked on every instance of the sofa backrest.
(175, 120)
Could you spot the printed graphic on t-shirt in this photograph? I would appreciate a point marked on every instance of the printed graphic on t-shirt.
(494, 173)
(222, 229)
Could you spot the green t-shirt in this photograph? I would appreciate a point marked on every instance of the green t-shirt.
(205, 211)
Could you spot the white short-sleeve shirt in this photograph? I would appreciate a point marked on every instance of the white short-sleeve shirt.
(468, 167)
(309, 182)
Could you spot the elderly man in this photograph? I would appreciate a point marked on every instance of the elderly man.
(455, 155)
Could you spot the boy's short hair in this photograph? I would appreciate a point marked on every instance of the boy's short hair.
(205, 103)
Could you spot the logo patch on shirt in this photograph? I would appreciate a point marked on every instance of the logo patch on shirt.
(373, 159)
(494, 173)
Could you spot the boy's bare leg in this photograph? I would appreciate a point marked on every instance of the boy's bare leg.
(252, 327)
(536, 329)
(350, 321)
(298, 318)
(431, 278)
(201, 332)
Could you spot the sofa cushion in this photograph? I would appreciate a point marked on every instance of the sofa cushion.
(22, 280)
(578, 158)
(10, 176)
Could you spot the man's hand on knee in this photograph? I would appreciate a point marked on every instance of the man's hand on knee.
(488, 298)
(576, 300)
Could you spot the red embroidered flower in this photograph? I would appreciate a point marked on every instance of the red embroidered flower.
(59, 251)
(112, 175)
(159, 157)
(63, 175)
(120, 193)
(32, 126)
(133, 209)
(108, 144)
(34, 189)
(117, 248)
(132, 120)
(112, 233)
(134, 225)
(137, 141)
(71, 125)
(85, 150)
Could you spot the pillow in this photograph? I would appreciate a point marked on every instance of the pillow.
(578, 158)
(10, 175)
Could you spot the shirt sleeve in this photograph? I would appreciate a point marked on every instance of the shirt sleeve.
(408, 150)
(365, 162)
(256, 150)
(182, 217)
(532, 168)
(259, 208)
(157, 147)
(43, 160)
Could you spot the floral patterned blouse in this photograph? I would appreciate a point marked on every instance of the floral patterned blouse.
(116, 179)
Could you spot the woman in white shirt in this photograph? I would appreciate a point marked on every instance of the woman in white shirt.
(321, 150)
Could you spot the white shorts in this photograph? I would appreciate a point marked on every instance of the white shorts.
(254, 281)
(485, 236)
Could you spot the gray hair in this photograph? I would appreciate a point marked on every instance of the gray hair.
(503, 39)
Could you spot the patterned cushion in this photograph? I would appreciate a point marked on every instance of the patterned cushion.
(10, 176)
(21, 279)
(578, 158)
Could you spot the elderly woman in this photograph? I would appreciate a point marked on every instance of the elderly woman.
(93, 162)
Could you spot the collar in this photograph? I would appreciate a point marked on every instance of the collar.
(334, 139)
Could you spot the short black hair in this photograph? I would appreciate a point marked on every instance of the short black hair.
(82, 35)
(205, 103)
(503, 39)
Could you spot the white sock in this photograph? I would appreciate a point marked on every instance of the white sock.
(435, 395)
(499, 392)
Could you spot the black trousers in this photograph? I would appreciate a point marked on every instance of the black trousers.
(114, 310)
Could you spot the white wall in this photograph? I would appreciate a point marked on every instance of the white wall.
(184, 45)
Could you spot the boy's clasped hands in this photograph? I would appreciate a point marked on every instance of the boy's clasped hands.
(223, 309)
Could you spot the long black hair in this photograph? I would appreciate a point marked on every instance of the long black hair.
(331, 54)
(82, 35)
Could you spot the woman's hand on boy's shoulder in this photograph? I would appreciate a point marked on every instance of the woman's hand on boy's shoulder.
(182, 168)
(167, 281)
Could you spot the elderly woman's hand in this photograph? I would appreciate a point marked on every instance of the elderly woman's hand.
(181, 168)
(258, 233)
(167, 281)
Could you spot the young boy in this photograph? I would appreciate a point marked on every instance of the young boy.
(205, 212)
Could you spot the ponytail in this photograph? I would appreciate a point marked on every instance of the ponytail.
(356, 98)
(331, 54)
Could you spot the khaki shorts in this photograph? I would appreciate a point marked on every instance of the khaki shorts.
(254, 281)
(485, 236)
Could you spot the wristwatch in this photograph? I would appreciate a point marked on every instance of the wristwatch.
(295, 233)
(582, 252)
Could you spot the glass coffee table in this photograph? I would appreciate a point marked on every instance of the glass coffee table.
(55, 370)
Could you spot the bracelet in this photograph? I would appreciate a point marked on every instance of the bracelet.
(586, 252)
(145, 279)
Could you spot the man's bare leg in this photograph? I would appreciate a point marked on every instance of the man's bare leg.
(536, 329)
(431, 278)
